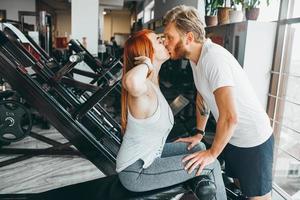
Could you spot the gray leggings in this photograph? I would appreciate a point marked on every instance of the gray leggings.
(168, 170)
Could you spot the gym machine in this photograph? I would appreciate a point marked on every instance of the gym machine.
(73, 108)
(76, 115)
(88, 127)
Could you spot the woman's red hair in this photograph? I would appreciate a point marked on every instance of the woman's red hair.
(137, 45)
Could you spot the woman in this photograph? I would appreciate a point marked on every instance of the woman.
(144, 161)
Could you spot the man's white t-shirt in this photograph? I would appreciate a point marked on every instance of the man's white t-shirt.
(217, 68)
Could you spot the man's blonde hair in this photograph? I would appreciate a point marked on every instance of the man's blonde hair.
(186, 19)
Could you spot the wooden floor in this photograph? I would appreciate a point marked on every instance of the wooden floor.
(42, 173)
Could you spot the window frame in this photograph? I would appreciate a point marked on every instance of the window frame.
(278, 81)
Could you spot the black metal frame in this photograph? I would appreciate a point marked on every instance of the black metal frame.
(102, 70)
(101, 147)
(77, 116)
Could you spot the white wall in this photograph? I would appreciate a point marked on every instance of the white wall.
(258, 61)
(12, 8)
(112, 3)
(201, 9)
(84, 20)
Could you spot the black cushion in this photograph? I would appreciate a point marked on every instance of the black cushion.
(108, 188)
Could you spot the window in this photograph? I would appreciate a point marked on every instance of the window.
(152, 13)
(140, 15)
(148, 11)
(284, 101)
(268, 12)
(294, 10)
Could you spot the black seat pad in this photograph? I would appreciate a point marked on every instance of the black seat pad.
(108, 188)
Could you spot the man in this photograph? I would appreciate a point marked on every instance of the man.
(243, 134)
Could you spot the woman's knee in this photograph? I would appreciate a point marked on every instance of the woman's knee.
(129, 182)
(199, 147)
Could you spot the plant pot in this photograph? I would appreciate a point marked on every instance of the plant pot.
(252, 13)
(211, 20)
(235, 16)
(223, 15)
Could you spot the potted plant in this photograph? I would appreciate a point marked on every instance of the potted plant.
(252, 10)
(223, 12)
(211, 9)
(236, 13)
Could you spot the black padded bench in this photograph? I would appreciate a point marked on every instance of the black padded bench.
(108, 188)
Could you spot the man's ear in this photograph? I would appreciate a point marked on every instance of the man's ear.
(189, 37)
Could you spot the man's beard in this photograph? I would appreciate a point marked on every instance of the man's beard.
(179, 51)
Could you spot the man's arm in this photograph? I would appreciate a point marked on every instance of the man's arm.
(202, 114)
(225, 126)
(227, 119)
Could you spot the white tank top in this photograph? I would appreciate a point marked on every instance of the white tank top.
(144, 138)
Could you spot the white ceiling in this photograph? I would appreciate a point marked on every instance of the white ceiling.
(110, 4)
